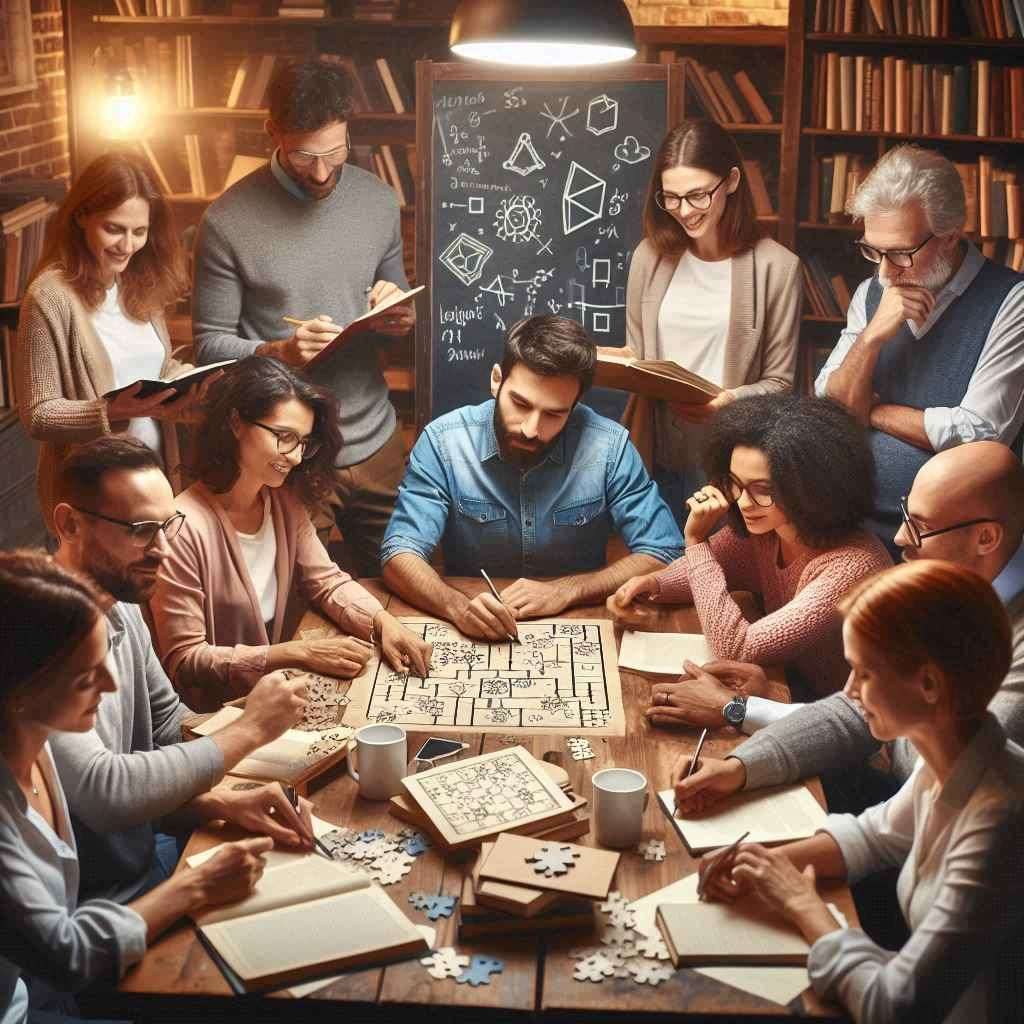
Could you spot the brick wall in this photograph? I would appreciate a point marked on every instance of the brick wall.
(34, 124)
(709, 12)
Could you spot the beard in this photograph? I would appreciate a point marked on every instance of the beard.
(935, 279)
(514, 447)
(117, 580)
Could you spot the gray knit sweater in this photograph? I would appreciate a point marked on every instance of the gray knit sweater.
(263, 254)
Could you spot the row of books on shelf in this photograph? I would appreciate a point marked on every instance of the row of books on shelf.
(893, 94)
(156, 8)
(825, 294)
(727, 98)
(940, 19)
(992, 193)
(23, 223)
(393, 165)
(6, 369)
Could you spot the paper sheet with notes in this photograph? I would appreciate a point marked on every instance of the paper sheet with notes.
(662, 652)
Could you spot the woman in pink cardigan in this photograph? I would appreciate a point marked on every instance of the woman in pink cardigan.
(794, 481)
(265, 448)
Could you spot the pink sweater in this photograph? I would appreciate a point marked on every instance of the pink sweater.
(205, 616)
(801, 627)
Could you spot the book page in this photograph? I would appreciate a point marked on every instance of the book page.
(312, 933)
(773, 815)
(298, 880)
(396, 299)
(662, 652)
(703, 933)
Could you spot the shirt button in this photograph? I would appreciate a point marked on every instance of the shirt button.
(529, 522)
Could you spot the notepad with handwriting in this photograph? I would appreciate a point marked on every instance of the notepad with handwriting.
(774, 815)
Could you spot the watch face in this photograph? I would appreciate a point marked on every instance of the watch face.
(735, 711)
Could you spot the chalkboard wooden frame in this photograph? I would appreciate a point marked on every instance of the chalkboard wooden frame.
(427, 74)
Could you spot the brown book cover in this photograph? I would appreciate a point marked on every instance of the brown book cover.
(847, 93)
(762, 114)
(758, 188)
(698, 81)
(889, 94)
(902, 96)
(1014, 224)
(833, 92)
(725, 95)
(837, 202)
(984, 97)
(859, 84)
(985, 195)
(946, 120)
(653, 378)
(916, 97)
(969, 177)
(562, 867)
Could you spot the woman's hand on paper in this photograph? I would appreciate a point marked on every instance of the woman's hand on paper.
(399, 319)
(630, 605)
(342, 657)
(709, 785)
(690, 412)
(267, 811)
(232, 872)
(708, 507)
(402, 649)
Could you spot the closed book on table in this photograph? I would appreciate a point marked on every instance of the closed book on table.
(559, 867)
(709, 934)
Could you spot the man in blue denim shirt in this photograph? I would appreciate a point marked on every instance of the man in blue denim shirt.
(529, 484)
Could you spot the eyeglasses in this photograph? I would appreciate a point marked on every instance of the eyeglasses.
(302, 160)
(914, 531)
(698, 200)
(288, 441)
(897, 257)
(143, 532)
(759, 493)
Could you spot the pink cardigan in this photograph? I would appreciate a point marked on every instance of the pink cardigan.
(801, 627)
(205, 615)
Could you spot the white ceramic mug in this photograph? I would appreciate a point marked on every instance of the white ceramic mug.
(383, 757)
(620, 799)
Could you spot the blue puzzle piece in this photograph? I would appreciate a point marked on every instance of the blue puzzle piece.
(416, 844)
(440, 906)
(370, 835)
(480, 970)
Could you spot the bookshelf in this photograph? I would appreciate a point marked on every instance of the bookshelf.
(217, 44)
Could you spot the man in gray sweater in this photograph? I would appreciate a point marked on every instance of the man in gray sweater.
(312, 236)
(115, 518)
(966, 506)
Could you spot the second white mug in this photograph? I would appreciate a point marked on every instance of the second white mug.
(620, 799)
(383, 757)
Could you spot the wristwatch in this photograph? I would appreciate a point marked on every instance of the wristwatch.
(735, 711)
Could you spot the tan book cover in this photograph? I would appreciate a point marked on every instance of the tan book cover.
(522, 860)
(847, 93)
(984, 96)
(833, 89)
(725, 95)
(653, 378)
(704, 934)
(902, 95)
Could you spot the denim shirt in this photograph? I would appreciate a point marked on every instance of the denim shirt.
(551, 519)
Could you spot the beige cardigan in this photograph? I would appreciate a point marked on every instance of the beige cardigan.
(764, 325)
(205, 615)
(61, 372)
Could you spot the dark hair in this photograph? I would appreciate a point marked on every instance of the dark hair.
(155, 276)
(45, 612)
(940, 613)
(304, 96)
(252, 387)
(81, 473)
(823, 472)
(552, 346)
(708, 146)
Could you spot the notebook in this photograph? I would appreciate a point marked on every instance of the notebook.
(653, 378)
(182, 383)
(774, 815)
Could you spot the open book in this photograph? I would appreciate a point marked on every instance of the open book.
(294, 757)
(182, 383)
(653, 378)
(298, 923)
(367, 322)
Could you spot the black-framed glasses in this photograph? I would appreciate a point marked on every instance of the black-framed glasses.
(897, 257)
(699, 199)
(760, 494)
(288, 441)
(914, 531)
(142, 532)
(303, 160)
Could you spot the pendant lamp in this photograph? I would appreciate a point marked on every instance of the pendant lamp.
(542, 33)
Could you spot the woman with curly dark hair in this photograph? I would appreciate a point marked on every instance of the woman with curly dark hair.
(265, 447)
(794, 480)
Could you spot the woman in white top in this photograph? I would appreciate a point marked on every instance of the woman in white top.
(708, 291)
(92, 319)
(928, 644)
(54, 671)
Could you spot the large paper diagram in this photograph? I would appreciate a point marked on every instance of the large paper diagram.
(561, 679)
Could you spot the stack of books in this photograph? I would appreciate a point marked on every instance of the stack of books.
(834, 181)
(156, 8)
(729, 100)
(463, 804)
(25, 210)
(827, 295)
(249, 86)
(982, 19)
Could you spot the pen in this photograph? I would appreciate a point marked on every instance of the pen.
(293, 799)
(692, 768)
(713, 865)
(487, 580)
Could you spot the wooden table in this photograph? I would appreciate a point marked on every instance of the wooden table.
(177, 980)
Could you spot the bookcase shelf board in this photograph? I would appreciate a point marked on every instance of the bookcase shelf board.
(928, 42)
(976, 140)
(200, 21)
(714, 36)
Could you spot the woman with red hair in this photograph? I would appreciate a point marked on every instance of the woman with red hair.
(92, 319)
(928, 644)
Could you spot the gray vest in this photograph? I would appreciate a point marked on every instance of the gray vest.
(932, 372)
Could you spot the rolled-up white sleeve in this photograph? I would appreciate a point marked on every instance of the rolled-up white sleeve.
(993, 405)
(856, 321)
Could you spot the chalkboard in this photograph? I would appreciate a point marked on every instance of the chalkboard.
(532, 191)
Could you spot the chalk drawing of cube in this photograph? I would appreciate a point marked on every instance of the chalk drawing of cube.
(601, 323)
(602, 115)
(476, 204)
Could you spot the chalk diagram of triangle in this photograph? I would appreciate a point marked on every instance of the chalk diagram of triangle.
(524, 159)
(582, 198)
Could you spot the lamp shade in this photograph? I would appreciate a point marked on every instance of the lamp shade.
(543, 33)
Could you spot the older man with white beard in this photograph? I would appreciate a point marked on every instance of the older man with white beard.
(932, 355)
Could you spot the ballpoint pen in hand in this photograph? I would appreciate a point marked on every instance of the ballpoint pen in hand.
(694, 761)
(487, 580)
(293, 799)
(714, 863)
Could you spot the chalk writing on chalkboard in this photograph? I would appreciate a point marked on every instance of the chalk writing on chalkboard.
(537, 191)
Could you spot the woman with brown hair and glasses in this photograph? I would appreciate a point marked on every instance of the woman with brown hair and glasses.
(92, 319)
(708, 291)
(794, 482)
(265, 449)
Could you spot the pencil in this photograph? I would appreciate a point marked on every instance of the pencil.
(293, 320)
(730, 849)
(487, 580)
(293, 799)
(691, 769)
